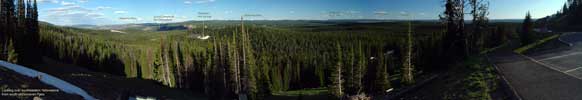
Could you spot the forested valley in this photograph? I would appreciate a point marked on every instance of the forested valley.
(249, 59)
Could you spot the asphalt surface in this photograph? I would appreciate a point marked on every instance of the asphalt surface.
(555, 75)
(568, 61)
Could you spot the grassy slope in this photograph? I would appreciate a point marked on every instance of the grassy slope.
(472, 79)
(525, 48)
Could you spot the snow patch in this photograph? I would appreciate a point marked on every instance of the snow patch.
(116, 31)
(141, 98)
(203, 37)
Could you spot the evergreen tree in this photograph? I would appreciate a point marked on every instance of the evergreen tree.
(565, 8)
(21, 15)
(480, 24)
(12, 55)
(408, 67)
(350, 73)
(336, 75)
(3, 35)
(248, 62)
(20, 28)
(233, 67)
(456, 42)
(8, 17)
(33, 34)
(526, 34)
(381, 81)
(360, 69)
(576, 9)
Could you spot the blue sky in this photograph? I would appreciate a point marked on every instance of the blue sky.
(102, 12)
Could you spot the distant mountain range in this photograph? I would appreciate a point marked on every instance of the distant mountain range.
(215, 23)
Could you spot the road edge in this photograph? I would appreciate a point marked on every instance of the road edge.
(514, 92)
(567, 43)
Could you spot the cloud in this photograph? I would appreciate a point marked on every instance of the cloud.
(83, 1)
(77, 18)
(227, 12)
(72, 14)
(102, 8)
(203, 1)
(380, 13)
(48, 1)
(353, 12)
(69, 9)
(403, 13)
(120, 12)
(188, 2)
(64, 3)
(95, 15)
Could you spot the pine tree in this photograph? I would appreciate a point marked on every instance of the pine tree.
(177, 63)
(33, 37)
(233, 67)
(249, 63)
(408, 67)
(21, 14)
(381, 82)
(456, 42)
(21, 23)
(165, 61)
(526, 35)
(350, 73)
(12, 55)
(3, 34)
(565, 8)
(480, 23)
(8, 25)
(19, 38)
(336, 75)
(360, 69)
(576, 9)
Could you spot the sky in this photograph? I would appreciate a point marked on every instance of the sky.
(105, 12)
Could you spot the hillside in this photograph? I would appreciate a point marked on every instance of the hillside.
(282, 52)
(567, 19)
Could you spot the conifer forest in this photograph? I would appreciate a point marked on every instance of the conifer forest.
(190, 50)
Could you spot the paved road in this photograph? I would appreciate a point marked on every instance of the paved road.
(552, 75)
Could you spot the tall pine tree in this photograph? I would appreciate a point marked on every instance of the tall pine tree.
(408, 66)
(9, 22)
(526, 34)
(360, 69)
(456, 42)
(479, 12)
(335, 87)
(381, 82)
